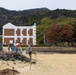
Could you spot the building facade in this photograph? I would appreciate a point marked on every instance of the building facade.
(19, 34)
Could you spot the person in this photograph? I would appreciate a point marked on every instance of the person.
(23, 51)
(16, 47)
(9, 48)
(30, 51)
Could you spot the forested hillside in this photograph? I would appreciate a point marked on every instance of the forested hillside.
(28, 17)
(43, 17)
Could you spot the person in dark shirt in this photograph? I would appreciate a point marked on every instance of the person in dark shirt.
(30, 51)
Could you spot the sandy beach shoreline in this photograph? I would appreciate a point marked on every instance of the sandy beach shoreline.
(46, 64)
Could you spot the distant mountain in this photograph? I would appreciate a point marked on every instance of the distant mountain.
(8, 12)
(28, 17)
(25, 17)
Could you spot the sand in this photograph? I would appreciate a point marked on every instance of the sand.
(46, 64)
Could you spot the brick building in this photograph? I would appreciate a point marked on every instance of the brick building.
(19, 34)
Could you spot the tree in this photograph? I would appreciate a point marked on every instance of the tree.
(67, 33)
(59, 33)
(53, 34)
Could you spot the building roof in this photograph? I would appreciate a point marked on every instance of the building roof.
(9, 25)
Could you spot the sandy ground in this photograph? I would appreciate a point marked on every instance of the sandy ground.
(46, 64)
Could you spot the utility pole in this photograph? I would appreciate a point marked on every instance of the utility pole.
(44, 39)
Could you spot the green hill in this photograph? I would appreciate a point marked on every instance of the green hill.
(43, 17)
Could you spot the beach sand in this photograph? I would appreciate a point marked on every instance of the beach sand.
(46, 64)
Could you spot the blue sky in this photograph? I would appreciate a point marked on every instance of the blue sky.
(30, 4)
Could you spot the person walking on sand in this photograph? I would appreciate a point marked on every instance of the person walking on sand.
(30, 51)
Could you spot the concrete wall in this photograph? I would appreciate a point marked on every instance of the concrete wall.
(50, 49)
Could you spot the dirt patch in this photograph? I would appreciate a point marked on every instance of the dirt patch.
(9, 72)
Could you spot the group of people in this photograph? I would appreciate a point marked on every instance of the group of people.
(16, 47)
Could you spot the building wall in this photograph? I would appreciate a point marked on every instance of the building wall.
(18, 40)
(24, 32)
(9, 32)
(6, 40)
(30, 32)
(24, 41)
(20, 34)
